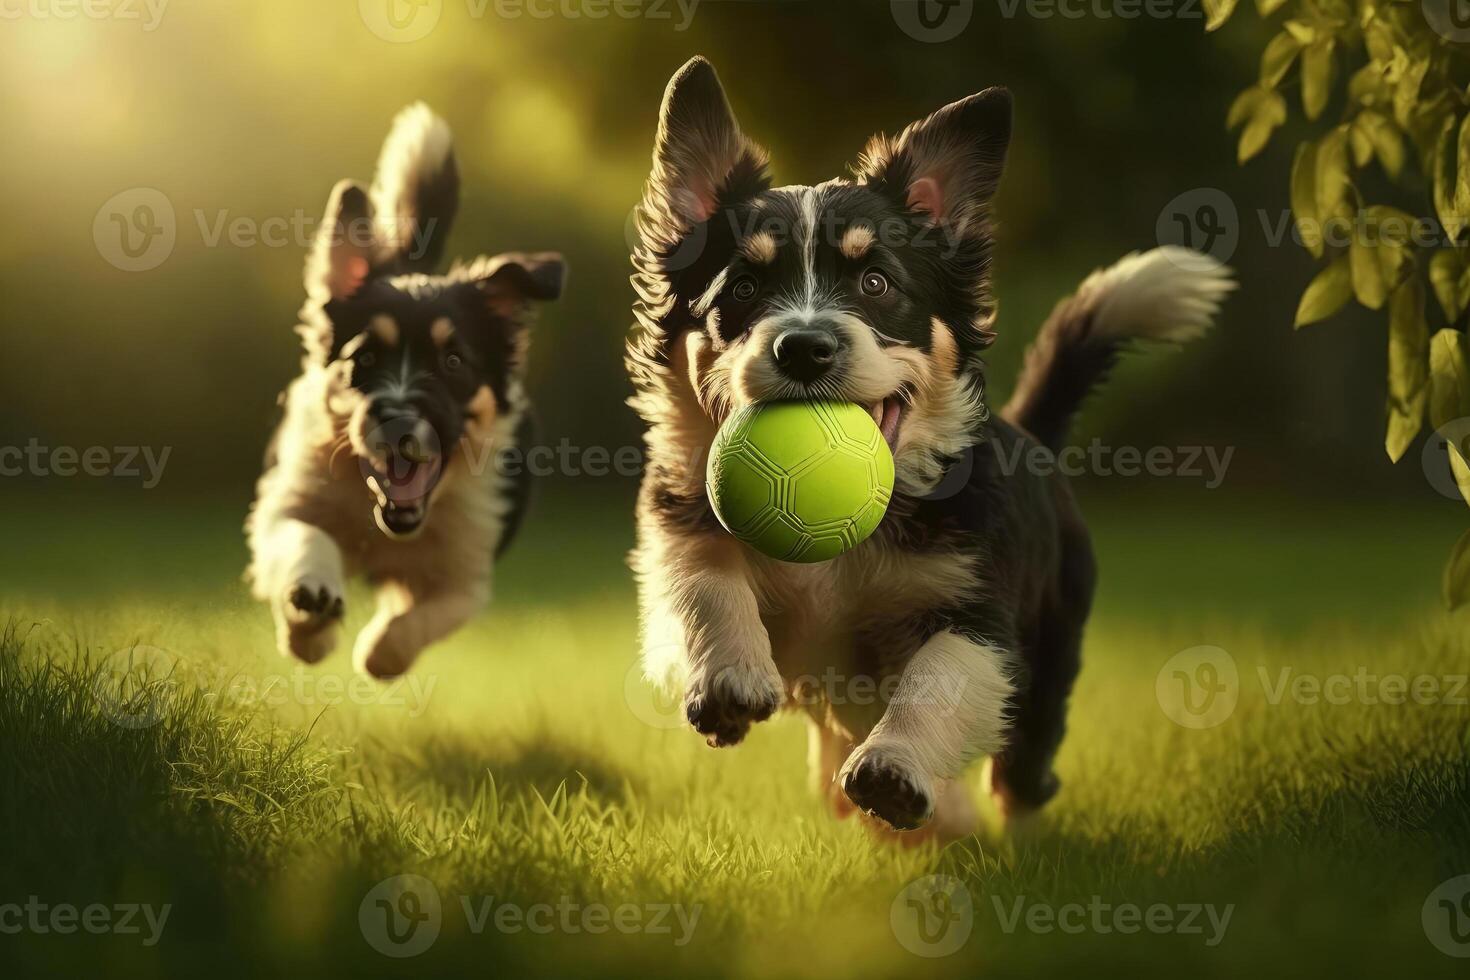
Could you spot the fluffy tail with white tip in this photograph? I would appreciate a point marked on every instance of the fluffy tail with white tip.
(1168, 294)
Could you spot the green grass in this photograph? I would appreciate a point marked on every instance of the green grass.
(514, 762)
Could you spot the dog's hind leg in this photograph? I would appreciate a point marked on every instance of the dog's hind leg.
(297, 568)
(826, 751)
(406, 623)
(1021, 777)
(949, 708)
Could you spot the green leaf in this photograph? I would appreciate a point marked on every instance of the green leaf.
(1445, 204)
(1304, 198)
(1362, 146)
(1457, 574)
(1332, 179)
(1369, 284)
(1387, 142)
(1319, 71)
(1270, 112)
(1328, 291)
(1406, 94)
(1217, 12)
(1449, 378)
(1462, 186)
(1368, 87)
(1429, 122)
(1378, 36)
(1304, 33)
(1276, 60)
(1408, 367)
(1445, 274)
(1460, 467)
(1392, 233)
(1268, 7)
(1244, 106)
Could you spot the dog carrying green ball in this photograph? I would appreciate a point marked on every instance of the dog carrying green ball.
(800, 481)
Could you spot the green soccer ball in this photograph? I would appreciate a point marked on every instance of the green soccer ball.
(800, 481)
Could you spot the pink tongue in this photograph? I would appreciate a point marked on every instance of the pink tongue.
(408, 483)
(888, 423)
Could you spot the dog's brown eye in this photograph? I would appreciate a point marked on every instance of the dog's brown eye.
(452, 362)
(744, 289)
(875, 283)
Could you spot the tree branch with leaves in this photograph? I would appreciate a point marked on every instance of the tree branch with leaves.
(1406, 115)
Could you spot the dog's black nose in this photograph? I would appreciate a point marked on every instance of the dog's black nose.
(805, 353)
(389, 410)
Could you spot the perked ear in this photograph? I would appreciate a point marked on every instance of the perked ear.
(342, 257)
(947, 166)
(701, 159)
(509, 282)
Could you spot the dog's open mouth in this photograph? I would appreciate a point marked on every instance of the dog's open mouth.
(402, 485)
(888, 415)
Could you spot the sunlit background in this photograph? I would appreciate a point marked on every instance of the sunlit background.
(250, 112)
(266, 826)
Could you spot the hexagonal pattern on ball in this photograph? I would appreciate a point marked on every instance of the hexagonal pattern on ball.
(800, 481)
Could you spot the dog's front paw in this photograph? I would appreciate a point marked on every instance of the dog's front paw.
(721, 706)
(884, 782)
(310, 603)
(309, 613)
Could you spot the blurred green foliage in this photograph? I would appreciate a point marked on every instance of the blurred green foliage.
(252, 111)
(1407, 88)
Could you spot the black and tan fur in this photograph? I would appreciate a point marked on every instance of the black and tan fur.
(965, 609)
(384, 464)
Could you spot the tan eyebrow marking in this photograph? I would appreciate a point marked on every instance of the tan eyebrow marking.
(386, 328)
(760, 248)
(856, 241)
(441, 330)
(482, 411)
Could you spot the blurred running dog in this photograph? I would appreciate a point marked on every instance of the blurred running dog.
(955, 631)
(411, 383)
